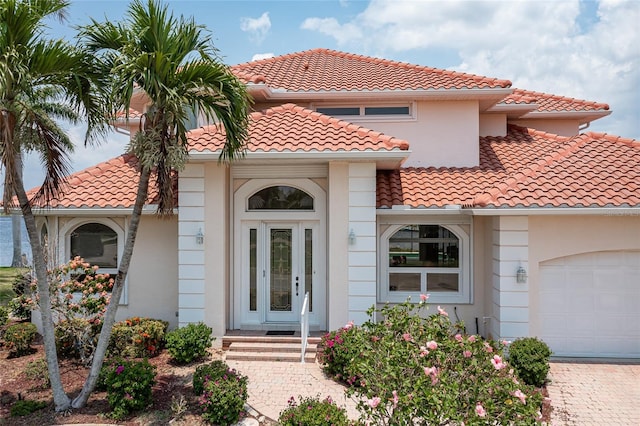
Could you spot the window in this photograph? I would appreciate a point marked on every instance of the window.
(425, 259)
(377, 111)
(96, 243)
(280, 198)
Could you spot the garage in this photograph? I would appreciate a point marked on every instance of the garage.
(589, 304)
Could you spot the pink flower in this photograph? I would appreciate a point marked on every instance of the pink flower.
(505, 342)
(424, 297)
(395, 399)
(348, 325)
(471, 339)
(407, 337)
(374, 402)
(497, 362)
(488, 347)
(423, 351)
(442, 311)
(467, 354)
(480, 411)
(432, 345)
(458, 337)
(433, 373)
(329, 343)
(522, 397)
(119, 369)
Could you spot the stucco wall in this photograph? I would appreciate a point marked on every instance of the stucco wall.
(557, 127)
(493, 125)
(153, 275)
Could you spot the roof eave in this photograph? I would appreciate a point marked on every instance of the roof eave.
(93, 211)
(512, 110)
(583, 116)
(488, 96)
(555, 211)
(384, 159)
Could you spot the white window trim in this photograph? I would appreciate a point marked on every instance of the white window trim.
(464, 293)
(65, 248)
(412, 116)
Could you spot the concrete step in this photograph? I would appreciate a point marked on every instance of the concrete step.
(269, 347)
(227, 340)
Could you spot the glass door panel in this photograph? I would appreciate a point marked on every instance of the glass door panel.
(283, 277)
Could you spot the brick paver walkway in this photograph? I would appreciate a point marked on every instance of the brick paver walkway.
(590, 394)
(271, 384)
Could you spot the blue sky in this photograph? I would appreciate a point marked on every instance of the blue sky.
(583, 49)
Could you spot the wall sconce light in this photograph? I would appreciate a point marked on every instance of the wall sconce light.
(352, 237)
(200, 237)
(521, 275)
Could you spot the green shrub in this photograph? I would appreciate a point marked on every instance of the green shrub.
(24, 407)
(419, 369)
(38, 370)
(129, 386)
(189, 343)
(338, 349)
(20, 307)
(213, 370)
(4, 315)
(18, 338)
(223, 398)
(77, 338)
(313, 412)
(530, 358)
(137, 337)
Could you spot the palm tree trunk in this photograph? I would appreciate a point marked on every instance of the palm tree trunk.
(110, 316)
(60, 398)
(16, 229)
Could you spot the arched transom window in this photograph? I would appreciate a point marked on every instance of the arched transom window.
(280, 197)
(96, 243)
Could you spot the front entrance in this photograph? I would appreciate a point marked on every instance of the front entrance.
(278, 256)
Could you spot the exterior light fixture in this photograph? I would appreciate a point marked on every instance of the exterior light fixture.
(352, 237)
(521, 275)
(200, 237)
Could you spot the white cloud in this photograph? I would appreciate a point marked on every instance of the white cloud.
(259, 56)
(538, 45)
(258, 28)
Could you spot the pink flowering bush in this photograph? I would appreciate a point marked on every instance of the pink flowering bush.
(438, 376)
(129, 385)
(338, 349)
(79, 299)
(311, 411)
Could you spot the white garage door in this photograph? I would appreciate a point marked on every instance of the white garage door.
(589, 305)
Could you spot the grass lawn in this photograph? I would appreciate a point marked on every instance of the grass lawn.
(7, 275)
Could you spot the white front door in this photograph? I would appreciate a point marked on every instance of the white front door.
(282, 272)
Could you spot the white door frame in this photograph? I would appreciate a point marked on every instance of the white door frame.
(244, 221)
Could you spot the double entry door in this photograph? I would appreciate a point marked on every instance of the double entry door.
(282, 259)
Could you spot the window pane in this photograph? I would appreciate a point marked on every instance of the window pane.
(399, 110)
(280, 198)
(442, 282)
(339, 111)
(253, 269)
(404, 282)
(308, 265)
(424, 246)
(97, 244)
(281, 270)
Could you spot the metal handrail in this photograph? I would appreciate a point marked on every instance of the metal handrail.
(304, 326)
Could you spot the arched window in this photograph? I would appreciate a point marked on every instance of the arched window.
(425, 259)
(96, 243)
(280, 197)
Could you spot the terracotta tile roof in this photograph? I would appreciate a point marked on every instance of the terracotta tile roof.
(526, 168)
(552, 103)
(291, 128)
(133, 114)
(111, 184)
(330, 70)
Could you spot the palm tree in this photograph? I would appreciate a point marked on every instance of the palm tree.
(42, 81)
(173, 62)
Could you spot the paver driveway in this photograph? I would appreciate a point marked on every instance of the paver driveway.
(590, 393)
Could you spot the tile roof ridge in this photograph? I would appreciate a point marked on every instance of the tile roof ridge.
(513, 179)
(407, 65)
(536, 95)
(613, 138)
